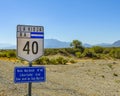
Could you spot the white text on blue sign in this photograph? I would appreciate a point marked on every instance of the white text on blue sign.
(29, 74)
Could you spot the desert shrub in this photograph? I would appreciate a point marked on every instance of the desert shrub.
(88, 52)
(50, 52)
(115, 52)
(104, 56)
(114, 74)
(3, 54)
(58, 60)
(61, 60)
(98, 56)
(38, 61)
(102, 76)
(63, 52)
(78, 54)
(106, 50)
(8, 53)
(11, 54)
(72, 61)
(53, 61)
(72, 50)
(98, 49)
(69, 50)
(46, 61)
(42, 61)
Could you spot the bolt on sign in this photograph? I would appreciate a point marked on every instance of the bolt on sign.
(30, 42)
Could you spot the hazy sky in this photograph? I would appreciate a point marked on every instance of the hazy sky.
(90, 21)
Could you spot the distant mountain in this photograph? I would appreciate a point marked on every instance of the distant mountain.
(11, 47)
(7, 46)
(104, 45)
(87, 45)
(48, 43)
(53, 43)
(116, 44)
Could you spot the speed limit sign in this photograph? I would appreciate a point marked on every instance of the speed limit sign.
(30, 42)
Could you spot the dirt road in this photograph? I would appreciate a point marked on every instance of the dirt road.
(86, 78)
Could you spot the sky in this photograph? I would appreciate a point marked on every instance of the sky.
(89, 21)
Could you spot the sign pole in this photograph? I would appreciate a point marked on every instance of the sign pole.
(30, 84)
(30, 46)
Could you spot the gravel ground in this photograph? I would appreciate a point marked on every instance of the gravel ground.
(86, 78)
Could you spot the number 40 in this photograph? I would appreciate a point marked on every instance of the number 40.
(34, 47)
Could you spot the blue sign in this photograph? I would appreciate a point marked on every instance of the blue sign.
(29, 74)
(37, 35)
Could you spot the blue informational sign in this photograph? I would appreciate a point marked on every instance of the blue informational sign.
(29, 74)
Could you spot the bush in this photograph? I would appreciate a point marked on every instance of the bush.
(61, 60)
(63, 52)
(98, 49)
(89, 53)
(3, 54)
(115, 74)
(73, 50)
(106, 50)
(8, 53)
(47, 61)
(115, 53)
(11, 54)
(42, 61)
(53, 61)
(50, 52)
(72, 61)
(78, 54)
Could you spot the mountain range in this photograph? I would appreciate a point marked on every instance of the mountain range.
(115, 44)
(53, 43)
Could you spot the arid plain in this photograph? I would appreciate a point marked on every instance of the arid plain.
(86, 78)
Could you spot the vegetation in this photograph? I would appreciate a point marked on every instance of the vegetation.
(76, 44)
(55, 61)
(70, 55)
(8, 53)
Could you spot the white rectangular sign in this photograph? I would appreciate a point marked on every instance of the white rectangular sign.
(30, 42)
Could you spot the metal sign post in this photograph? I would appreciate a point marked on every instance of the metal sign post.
(30, 83)
(30, 46)
(29, 89)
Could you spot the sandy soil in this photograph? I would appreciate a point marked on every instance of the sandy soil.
(86, 78)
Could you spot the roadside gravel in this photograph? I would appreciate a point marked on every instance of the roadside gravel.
(86, 78)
